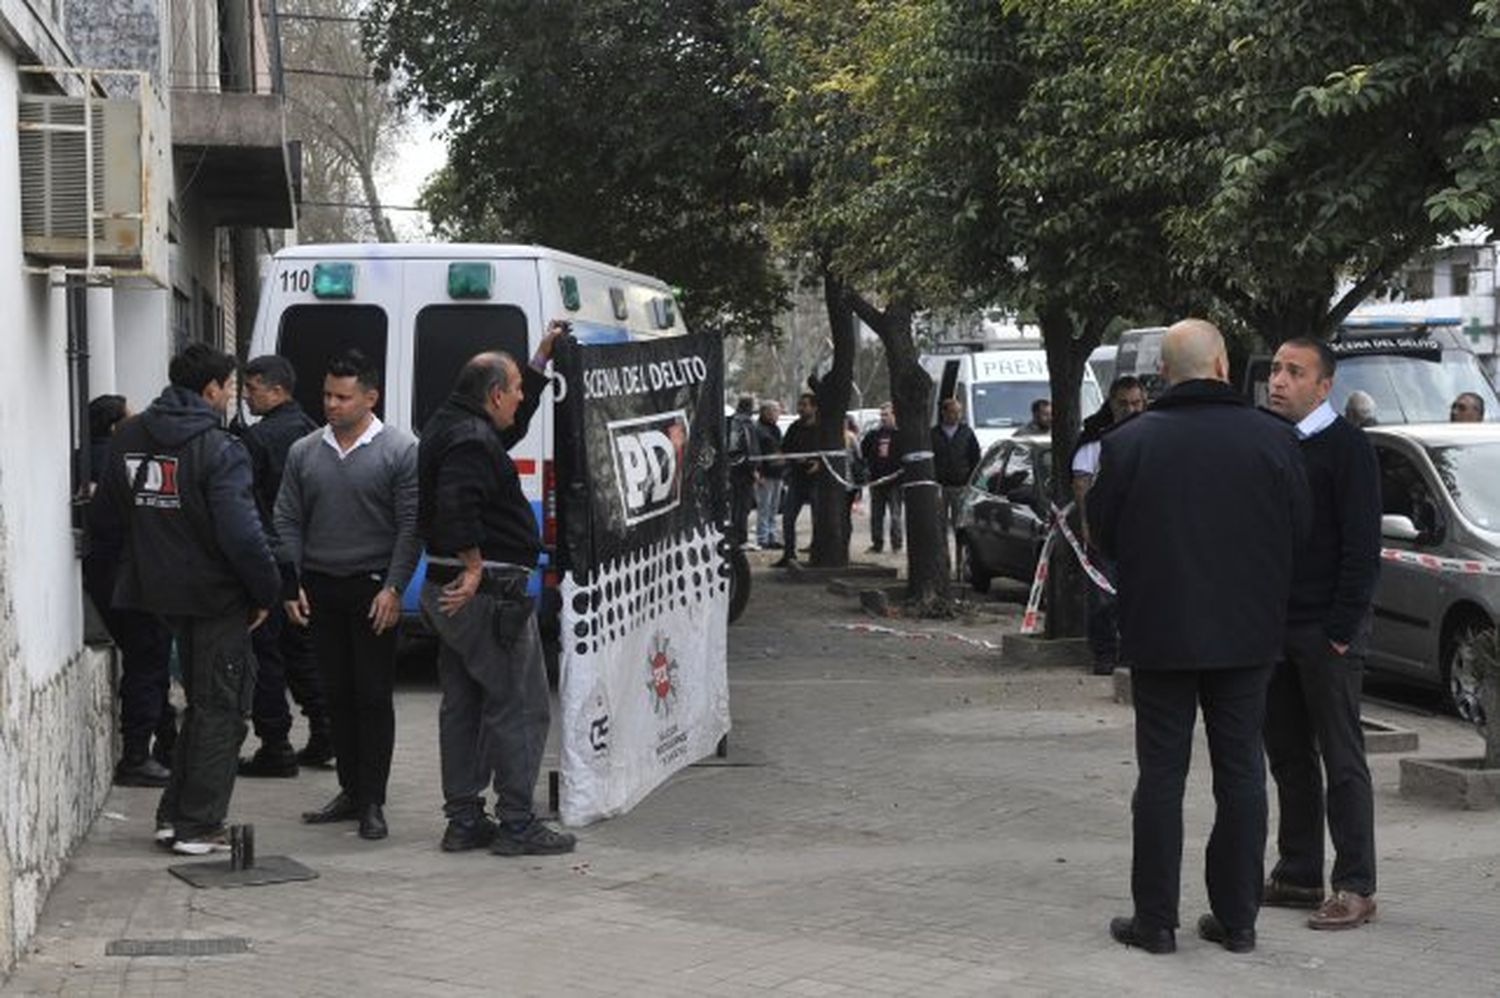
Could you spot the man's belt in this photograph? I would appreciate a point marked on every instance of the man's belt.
(494, 581)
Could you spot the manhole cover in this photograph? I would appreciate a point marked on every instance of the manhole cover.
(177, 947)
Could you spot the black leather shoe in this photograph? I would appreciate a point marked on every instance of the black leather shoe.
(461, 836)
(142, 772)
(1124, 930)
(341, 808)
(372, 823)
(278, 762)
(1234, 940)
(318, 752)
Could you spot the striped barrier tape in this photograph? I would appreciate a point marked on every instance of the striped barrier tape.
(1459, 566)
(1031, 619)
(917, 635)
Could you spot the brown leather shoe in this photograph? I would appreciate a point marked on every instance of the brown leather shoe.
(1280, 894)
(1343, 910)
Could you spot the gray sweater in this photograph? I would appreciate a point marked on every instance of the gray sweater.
(347, 516)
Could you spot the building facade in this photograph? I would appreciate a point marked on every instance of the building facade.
(189, 136)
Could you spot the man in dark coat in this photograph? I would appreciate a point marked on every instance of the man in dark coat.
(882, 456)
(1201, 501)
(955, 455)
(742, 444)
(1312, 708)
(178, 487)
(283, 651)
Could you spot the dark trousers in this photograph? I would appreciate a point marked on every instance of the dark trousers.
(741, 501)
(283, 653)
(1234, 705)
(883, 498)
(1313, 729)
(492, 725)
(1103, 614)
(218, 676)
(358, 669)
(799, 493)
(145, 643)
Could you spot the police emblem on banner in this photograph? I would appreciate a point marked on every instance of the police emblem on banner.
(640, 458)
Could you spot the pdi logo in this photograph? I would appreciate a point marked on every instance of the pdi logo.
(648, 463)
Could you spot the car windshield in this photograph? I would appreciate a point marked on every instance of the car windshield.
(1412, 389)
(1001, 404)
(1471, 473)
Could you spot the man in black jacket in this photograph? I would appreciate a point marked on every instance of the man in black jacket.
(1312, 709)
(482, 545)
(180, 486)
(801, 475)
(282, 650)
(882, 459)
(955, 454)
(768, 475)
(1200, 501)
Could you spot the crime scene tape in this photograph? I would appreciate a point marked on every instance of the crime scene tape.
(917, 635)
(1031, 619)
(1459, 566)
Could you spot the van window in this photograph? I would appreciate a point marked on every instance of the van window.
(1412, 389)
(1404, 492)
(1002, 404)
(311, 335)
(447, 336)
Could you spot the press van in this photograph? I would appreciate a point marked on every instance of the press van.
(998, 386)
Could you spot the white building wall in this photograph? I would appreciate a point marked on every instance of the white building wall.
(56, 696)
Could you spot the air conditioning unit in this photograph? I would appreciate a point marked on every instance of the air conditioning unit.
(129, 178)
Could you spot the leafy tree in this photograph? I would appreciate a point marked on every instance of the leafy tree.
(1338, 139)
(609, 128)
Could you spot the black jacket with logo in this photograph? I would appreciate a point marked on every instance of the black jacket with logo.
(882, 452)
(469, 493)
(268, 441)
(178, 491)
(1201, 501)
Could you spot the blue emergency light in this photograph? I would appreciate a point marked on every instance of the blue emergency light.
(333, 280)
(470, 279)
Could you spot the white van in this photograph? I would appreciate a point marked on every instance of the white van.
(997, 387)
(421, 311)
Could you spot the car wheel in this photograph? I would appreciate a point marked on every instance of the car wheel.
(978, 577)
(1460, 672)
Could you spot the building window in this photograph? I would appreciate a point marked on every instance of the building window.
(1459, 279)
(1419, 283)
(182, 321)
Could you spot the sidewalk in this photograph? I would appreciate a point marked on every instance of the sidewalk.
(896, 817)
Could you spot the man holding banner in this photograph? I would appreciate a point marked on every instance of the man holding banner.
(482, 545)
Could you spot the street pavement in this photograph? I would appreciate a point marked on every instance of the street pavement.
(896, 815)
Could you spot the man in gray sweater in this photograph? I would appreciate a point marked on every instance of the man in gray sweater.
(346, 518)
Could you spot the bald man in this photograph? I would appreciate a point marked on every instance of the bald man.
(1200, 501)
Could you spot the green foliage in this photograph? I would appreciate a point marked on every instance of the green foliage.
(609, 128)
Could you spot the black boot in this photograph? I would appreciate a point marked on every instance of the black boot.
(319, 749)
(275, 760)
(140, 770)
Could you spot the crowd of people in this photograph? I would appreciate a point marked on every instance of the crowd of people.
(272, 559)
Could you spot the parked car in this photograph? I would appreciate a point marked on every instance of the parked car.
(1440, 500)
(1004, 516)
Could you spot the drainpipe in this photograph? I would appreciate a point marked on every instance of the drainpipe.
(75, 291)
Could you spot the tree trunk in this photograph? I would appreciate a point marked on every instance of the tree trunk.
(830, 539)
(927, 566)
(378, 218)
(1068, 350)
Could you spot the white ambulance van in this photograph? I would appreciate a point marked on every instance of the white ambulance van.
(421, 311)
(997, 386)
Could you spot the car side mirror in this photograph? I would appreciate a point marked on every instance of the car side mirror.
(1396, 527)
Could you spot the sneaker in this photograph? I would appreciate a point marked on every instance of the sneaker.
(751, 546)
(476, 833)
(536, 839)
(278, 762)
(142, 772)
(165, 834)
(202, 845)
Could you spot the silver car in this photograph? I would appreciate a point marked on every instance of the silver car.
(1440, 571)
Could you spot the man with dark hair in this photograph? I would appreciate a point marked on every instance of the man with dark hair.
(882, 456)
(1041, 420)
(1312, 708)
(482, 545)
(1201, 501)
(179, 488)
(768, 478)
(800, 474)
(1468, 407)
(144, 640)
(346, 521)
(1127, 397)
(281, 648)
(742, 445)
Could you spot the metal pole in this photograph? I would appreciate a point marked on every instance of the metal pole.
(88, 169)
